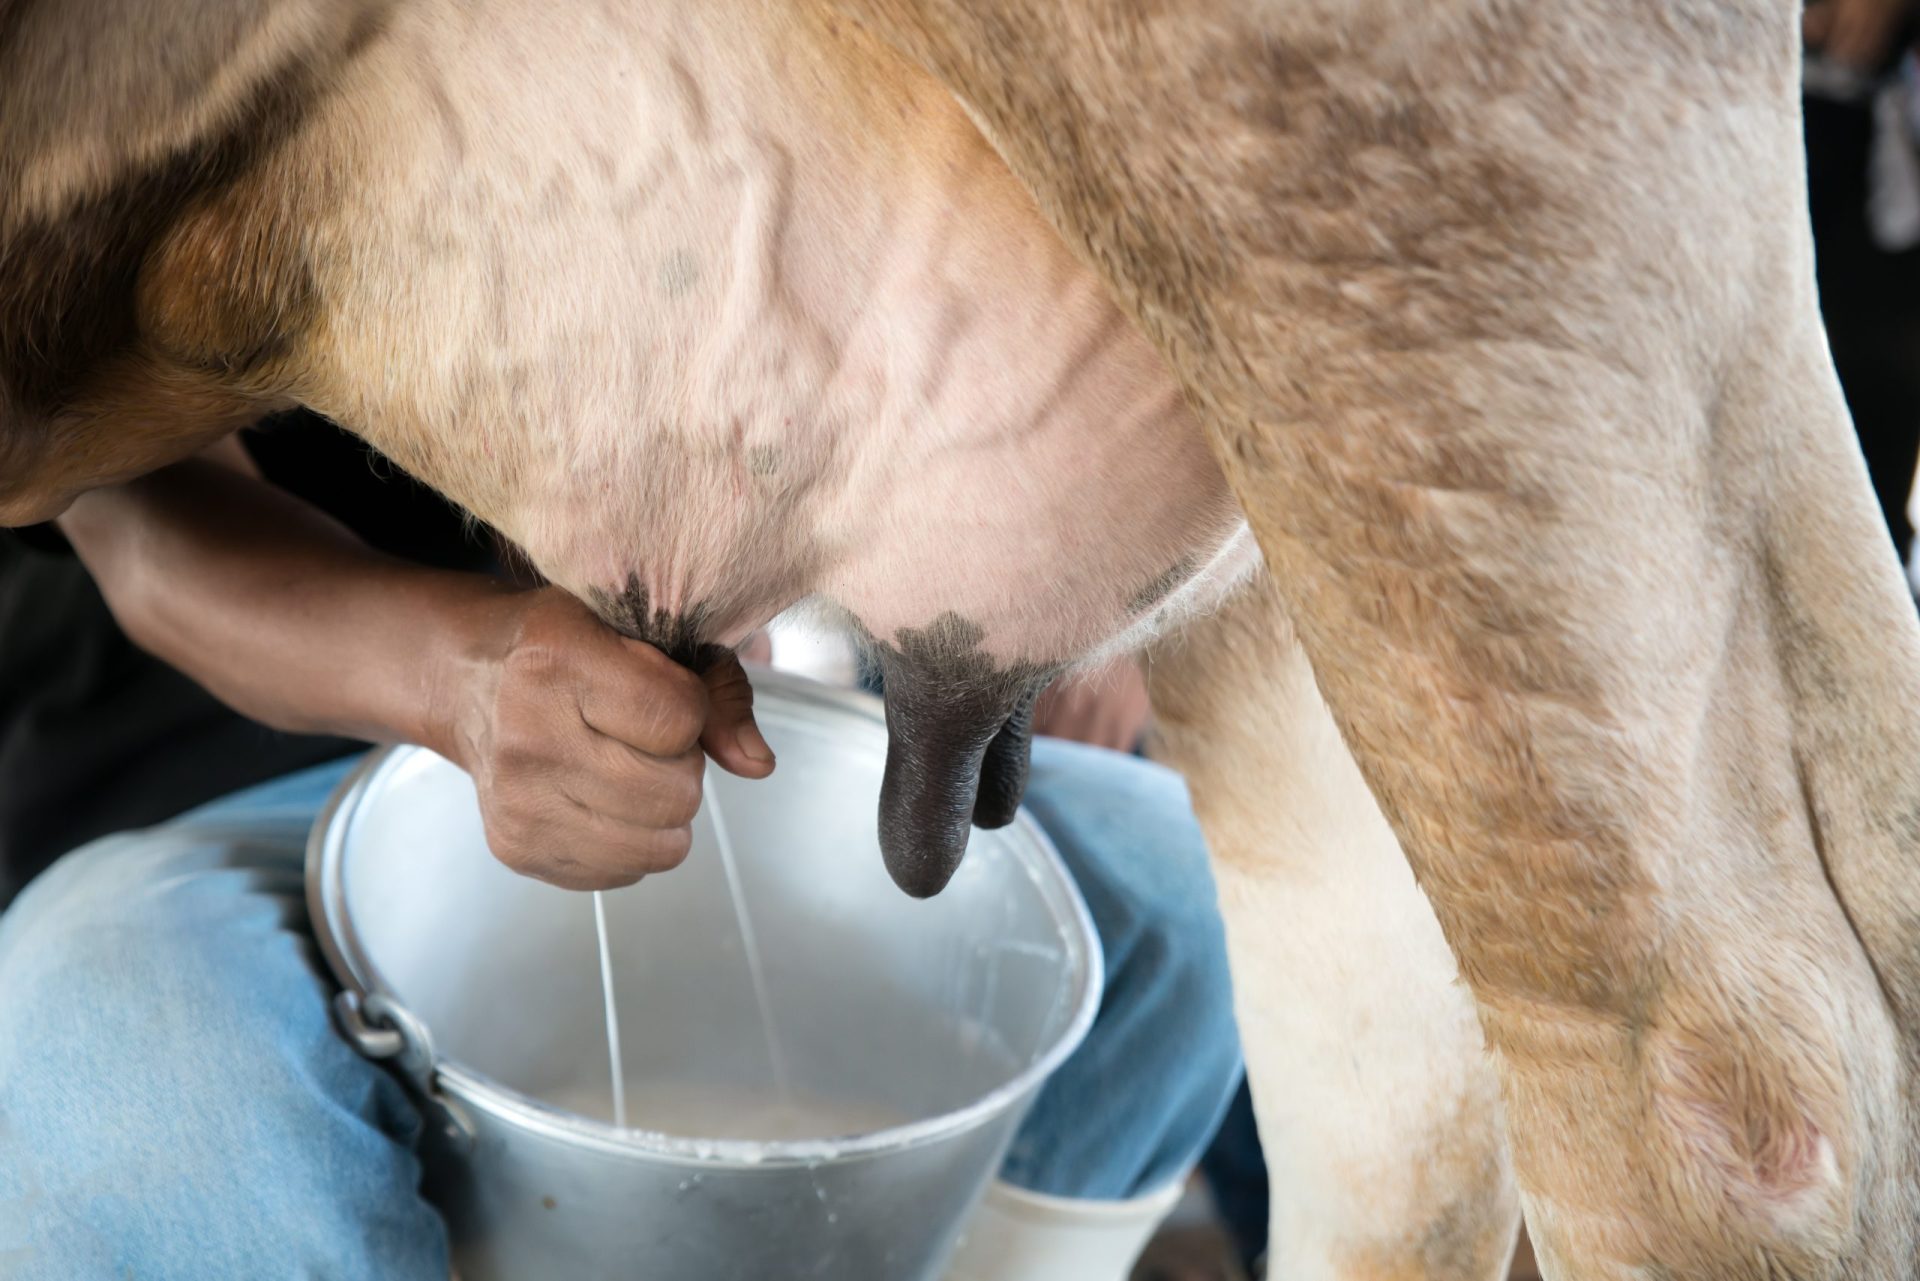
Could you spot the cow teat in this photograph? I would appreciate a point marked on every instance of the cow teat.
(681, 635)
(959, 730)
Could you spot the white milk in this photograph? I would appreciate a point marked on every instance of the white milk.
(702, 1110)
(614, 1070)
(786, 1111)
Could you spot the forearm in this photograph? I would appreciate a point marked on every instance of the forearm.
(278, 611)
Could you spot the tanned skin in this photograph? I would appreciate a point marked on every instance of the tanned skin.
(587, 747)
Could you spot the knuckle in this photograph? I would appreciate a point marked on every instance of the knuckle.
(508, 837)
(566, 876)
(678, 720)
(678, 683)
(609, 874)
(729, 677)
(736, 694)
(667, 849)
(680, 794)
(518, 750)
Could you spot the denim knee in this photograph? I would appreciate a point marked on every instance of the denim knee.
(1136, 1105)
(173, 1101)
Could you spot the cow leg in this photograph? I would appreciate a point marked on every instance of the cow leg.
(1376, 1099)
(1501, 318)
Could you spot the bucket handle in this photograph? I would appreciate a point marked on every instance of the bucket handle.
(382, 1029)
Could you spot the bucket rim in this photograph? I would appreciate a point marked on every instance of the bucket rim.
(473, 1090)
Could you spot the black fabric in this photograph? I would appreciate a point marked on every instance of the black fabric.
(1236, 1172)
(96, 736)
(1870, 300)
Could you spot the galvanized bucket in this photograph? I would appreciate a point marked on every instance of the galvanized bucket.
(937, 1020)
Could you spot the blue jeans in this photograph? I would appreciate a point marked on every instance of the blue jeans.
(174, 1102)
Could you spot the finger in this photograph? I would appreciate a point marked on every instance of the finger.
(634, 694)
(580, 852)
(630, 787)
(626, 858)
(732, 736)
(568, 873)
(545, 831)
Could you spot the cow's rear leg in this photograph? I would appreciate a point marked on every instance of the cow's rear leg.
(1564, 522)
(1501, 318)
(1376, 1098)
(1561, 498)
(1566, 505)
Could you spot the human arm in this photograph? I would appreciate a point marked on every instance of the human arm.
(586, 747)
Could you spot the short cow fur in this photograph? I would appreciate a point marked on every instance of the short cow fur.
(1574, 717)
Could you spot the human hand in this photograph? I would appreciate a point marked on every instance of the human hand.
(1858, 33)
(1106, 707)
(586, 747)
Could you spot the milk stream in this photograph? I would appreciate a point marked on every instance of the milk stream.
(749, 943)
(776, 1061)
(613, 1013)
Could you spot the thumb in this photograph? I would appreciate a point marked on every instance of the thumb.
(731, 737)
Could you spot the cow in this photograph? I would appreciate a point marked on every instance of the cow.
(1556, 762)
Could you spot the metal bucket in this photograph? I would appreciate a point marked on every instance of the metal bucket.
(943, 1016)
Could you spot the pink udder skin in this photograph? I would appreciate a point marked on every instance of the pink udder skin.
(748, 356)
